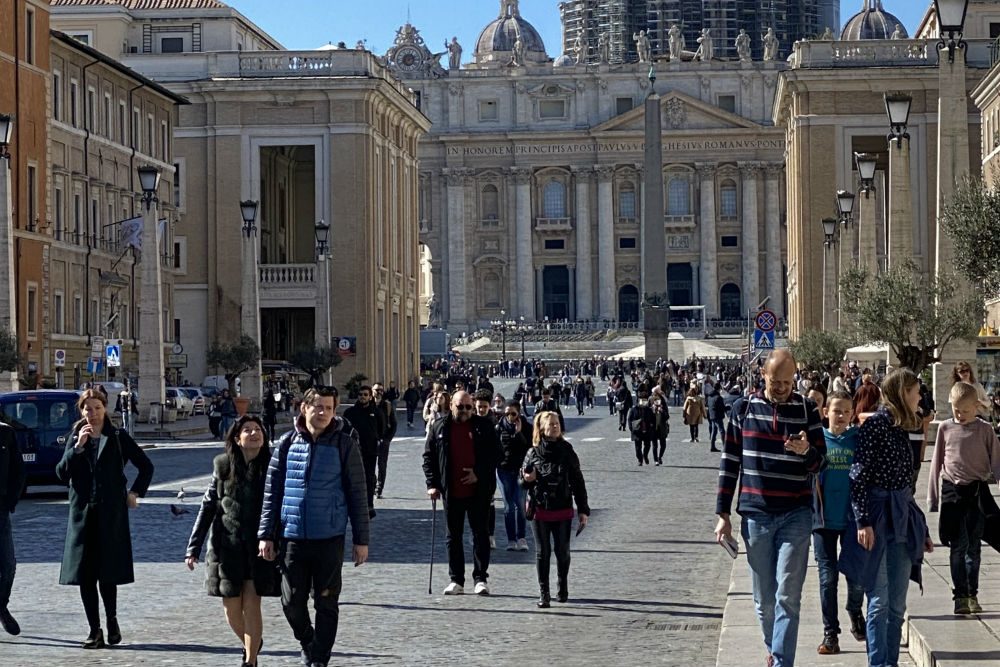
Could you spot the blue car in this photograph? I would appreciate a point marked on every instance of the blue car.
(42, 420)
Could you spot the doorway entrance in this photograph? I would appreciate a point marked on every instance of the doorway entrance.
(555, 292)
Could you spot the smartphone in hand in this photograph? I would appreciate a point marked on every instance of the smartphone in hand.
(731, 546)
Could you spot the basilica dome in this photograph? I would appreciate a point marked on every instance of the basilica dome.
(872, 22)
(496, 42)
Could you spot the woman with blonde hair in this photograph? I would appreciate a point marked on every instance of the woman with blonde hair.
(892, 532)
(552, 477)
(98, 549)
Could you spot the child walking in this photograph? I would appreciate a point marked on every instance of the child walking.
(831, 521)
(966, 455)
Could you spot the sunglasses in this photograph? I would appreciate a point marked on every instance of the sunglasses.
(511, 414)
(464, 406)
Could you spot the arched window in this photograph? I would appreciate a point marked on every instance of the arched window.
(678, 196)
(727, 200)
(554, 200)
(491, 290)
(729, 302)
(490, 202)
(626, 201)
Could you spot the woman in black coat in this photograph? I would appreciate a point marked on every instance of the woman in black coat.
(98, 549)
(231, 507)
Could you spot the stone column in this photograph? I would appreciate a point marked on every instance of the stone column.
(900, 202)
(606, 242)
(8, 286)
(830, 296)
(867, 238)
(772, 231)
(151, 381)
(250, 383)
(584, 276)
(709, 242)
(539, 291)
(572, 292)
(751, 236)
(457, 278)
(525, 263)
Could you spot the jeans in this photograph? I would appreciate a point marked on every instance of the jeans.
(513, 505)
(383, 464)
(966, 550)
(716, 428)
(642, 450)
(8, 564)
(887, 606)
(227, 423)
(313, 566)
(456, 509)
(411, 410)
(547, 533)
(825, 549)
(370, 460)
(777, 547)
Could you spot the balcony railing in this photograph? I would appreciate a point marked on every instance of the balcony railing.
(287, 275)
(680, 220)
(553, 224)
(884, 53)
(628, 221)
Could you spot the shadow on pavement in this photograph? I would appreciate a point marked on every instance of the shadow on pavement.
(486, 610)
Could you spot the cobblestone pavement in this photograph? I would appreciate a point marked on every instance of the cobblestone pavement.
(647, 584)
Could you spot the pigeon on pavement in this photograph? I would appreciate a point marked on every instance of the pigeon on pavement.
(178, 511)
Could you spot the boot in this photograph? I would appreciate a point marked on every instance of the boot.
(95, 639)
(563, 593)
(543, 596)
(858, 628)
(114, 632)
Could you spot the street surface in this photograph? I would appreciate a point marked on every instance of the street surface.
(647, 583)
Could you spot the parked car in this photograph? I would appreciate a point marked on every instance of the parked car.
(42, 421)
(197, 399)
(178, 400)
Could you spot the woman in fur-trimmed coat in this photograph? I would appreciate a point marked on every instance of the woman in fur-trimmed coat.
(231, 507)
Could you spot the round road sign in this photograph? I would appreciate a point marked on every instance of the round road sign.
(766, 320)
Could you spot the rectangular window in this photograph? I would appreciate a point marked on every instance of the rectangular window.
(60, 221)
(550, 109)
(91, 119)
(727, 201)
(994, 30)
(121, 122)
(489, 110)
(172, 45)
(74, 103)
(555, 244)
(623, 105)
(29, 36)
(58, 314)
(95, 222)
(727, 103)
(164, 141)
(32, 198)
(136, 137)
(177, 329)
(77, 315)
(177, 185)
(730, 241)
(32, 305)
(150, 138)
(626, 242)
(82, 37)
(78, 230)
(56, 96)
(92, 319)
(107, 115)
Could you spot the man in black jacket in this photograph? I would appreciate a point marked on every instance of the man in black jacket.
(369, 421)
(460, 465)
(11, 483)
(388, 409)
(550, 404)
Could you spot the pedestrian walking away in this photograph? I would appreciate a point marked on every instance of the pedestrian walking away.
(515, 433)
(315, 484)
(389, 412)
(98, 550)
(227, 410)
(891, 535)
(11, 483)
(228, 519)
(661, 414)
(773, 445)
(368, 421)
(460, 466)
(411, 397)
(553, 480)
(642, 428)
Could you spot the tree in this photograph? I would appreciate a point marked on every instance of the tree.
(818, 349)
(916, 314)
(234, 359)
(9, 356)
(354, 384)
(315, 361)
(971, 219)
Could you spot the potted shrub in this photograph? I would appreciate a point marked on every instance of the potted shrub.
(354, 384)
(315, 362)
(234, 360)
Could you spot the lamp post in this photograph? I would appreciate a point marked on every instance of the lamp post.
(151, 371)
(848, 239)
(953, 163)
(503, 325)
(900, 246)
(868, 214)
(323, 278)
(250, 385)
(8, 317)
(829, 274)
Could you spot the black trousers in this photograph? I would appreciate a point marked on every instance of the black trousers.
(642, 450)
(313, 566)
(694, 431)
(370, 460)
(547, 534)
(411, 410)
(477, 510)
(383, 464)
(659, 447)
(90, 573)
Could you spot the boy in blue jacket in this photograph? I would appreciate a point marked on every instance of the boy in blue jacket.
(831, 521)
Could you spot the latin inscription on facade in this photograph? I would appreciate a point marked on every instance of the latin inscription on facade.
(689, 145)
(678, 241)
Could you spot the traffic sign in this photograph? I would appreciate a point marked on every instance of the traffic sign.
(177, 361)
(97, 347)
(114, 355)
(763, 340)
(766, 321)
(60, 358)
(94, 365)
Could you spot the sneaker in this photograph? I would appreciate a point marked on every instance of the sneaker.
(962, 606)
(858, 628)
(770, 660)
(659, 463)
(522, 544)
(10, 625)
(455, 588)
(973, 606)
(830, 645)
(512, 545)
(493, 542)
(482, 588)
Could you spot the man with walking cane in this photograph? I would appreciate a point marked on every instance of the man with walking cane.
(460, 466)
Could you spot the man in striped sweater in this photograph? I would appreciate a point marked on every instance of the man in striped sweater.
(773, 445)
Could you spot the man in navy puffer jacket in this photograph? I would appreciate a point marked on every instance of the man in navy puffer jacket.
(315, 483)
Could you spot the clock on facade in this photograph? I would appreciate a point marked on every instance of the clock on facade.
(409, 58)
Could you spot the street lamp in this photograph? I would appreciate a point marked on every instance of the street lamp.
(951, 20)
(830, 294)
(502, 325)
(149, 182)
(6, 130)
(248, 210)
(897, 106)
(8, 282)
(867, 163)
(322, 231)
(830, 231)
(322, 237)
(845, 207)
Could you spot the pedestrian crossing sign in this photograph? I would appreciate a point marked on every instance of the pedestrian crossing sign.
(114, 355)
(763, 340)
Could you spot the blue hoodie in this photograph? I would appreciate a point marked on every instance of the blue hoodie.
(835, 481)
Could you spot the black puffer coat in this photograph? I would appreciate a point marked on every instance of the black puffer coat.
(231, 508)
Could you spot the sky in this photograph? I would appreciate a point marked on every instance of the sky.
(308, 24)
